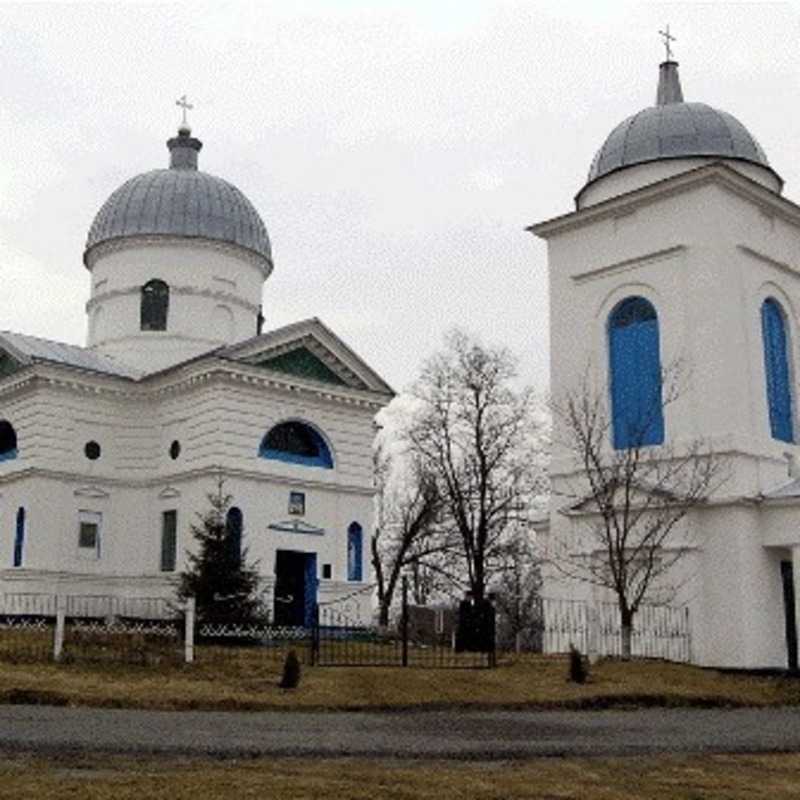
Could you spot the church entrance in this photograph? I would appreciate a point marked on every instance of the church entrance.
(787, 576)
(295, 588)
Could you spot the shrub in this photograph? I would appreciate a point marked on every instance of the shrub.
(291, 671)
(577, 666)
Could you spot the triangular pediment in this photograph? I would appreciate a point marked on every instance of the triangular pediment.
(8, 364)
(302, 363)
(640, 494)
(310, 351)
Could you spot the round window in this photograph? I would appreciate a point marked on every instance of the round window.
(92, 451)
(175, 449)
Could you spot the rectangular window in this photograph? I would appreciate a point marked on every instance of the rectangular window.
(297, 503)
(354, 555)
(169, 540)
(89, 527)
(327, 571)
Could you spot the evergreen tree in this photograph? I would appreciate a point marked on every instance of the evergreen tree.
(225, 587)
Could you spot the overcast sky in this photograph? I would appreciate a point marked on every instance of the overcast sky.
(396, 151)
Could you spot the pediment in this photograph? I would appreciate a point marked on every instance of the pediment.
(639, 495)
(310, 351)
(301, 362)
(8, 364)
(168, 493)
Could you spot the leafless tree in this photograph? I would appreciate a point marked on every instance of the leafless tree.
(477, 438)
(406, 532)
(630, 500)
(518, 591)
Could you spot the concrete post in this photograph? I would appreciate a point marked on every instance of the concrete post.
(58, 637)
(796, 581)
(188, 638)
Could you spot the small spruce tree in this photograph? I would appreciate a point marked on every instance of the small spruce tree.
(224, 586)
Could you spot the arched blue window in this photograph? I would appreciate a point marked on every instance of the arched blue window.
(8, 441)
(154, 306)
(635, 370)
(233, 526)
(355, 547)
(296, 443)
(776, 368)
(19, 537)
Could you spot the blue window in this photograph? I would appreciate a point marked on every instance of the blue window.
(296, 443)
(635, 369)
(19, 537)
(8, 441)
(355, 546)
(776, 368)
(233, 525)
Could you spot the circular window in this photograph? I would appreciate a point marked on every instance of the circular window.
(175, 449)
(92, 451)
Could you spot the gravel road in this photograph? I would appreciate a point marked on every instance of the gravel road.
(451, 734)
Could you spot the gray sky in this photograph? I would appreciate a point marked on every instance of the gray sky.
(396, 151)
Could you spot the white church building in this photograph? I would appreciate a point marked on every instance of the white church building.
(682, 249)
(108, 452)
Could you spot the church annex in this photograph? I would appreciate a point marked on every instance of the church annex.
(108, 452)
(683, 250)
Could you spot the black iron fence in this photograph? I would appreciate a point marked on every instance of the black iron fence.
(422, 637)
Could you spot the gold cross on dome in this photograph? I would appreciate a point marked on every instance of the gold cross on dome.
(667, 39)
(186, 106)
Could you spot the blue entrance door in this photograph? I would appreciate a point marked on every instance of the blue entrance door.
(295, 588)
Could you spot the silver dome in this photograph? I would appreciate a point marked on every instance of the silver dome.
(180, 201)
(675, 130)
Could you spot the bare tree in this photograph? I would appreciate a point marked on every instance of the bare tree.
(518, 591)
(631, 500)
(405, 532)
(476, 437)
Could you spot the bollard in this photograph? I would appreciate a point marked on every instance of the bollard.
(188, 638)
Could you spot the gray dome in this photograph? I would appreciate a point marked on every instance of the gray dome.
(675, 130)
(180, 201)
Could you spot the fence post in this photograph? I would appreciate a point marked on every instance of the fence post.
(592, 633)
(315, 636)
(688, 623)
(58, 637)
(404, 621)
(188, 638)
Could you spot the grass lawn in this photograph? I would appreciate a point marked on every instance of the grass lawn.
(755, 777)
(248, 681)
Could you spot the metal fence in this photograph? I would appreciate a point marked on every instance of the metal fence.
(152, 631)
(422, 637)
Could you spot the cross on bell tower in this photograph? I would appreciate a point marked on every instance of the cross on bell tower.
(668, 37)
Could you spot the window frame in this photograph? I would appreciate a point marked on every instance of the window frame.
(95, 519)
(172, 531)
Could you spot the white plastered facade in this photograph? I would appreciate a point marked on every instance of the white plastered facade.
(206, 383)
(706, 246)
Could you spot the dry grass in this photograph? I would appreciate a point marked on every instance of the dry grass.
(249, 682)
(755, 777)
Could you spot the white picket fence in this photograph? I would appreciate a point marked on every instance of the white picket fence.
(88, 616)
(659, 631)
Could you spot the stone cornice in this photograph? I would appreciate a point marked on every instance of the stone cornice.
(134, 242)
(717, 173)
(177, 380)
(222, 296)
(167, 481)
